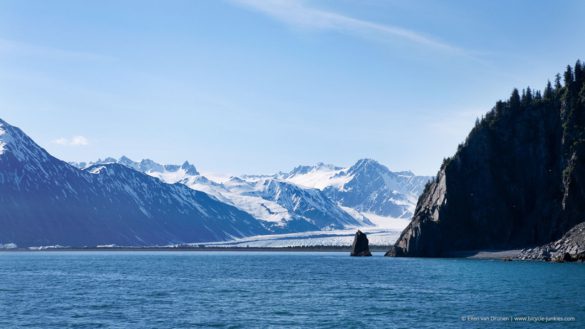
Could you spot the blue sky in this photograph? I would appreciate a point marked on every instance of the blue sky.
(253, 86)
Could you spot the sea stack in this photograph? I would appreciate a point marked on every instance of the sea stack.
(360, 246)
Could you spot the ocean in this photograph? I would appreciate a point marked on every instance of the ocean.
(116, 289)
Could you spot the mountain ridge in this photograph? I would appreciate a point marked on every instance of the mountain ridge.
(45, 201)
(329, 181)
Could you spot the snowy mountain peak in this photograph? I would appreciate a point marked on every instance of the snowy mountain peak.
(149, 165)
(302, 170)
(125, 160)
(366, 186)
(16, 143)
(314, 194)
(367, 164)
(299, 170)
(7, 134)
(171, 172)
(189, 168)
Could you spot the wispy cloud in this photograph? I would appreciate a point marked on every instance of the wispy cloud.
(297, 13)
(73, 141)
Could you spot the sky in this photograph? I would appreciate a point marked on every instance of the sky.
(260, 86)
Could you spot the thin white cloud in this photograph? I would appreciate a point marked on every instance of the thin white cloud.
(297, 13)
(73, 141)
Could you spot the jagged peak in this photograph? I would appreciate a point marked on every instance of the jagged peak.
(322, 165)
(150, 165)
(189, 168)
(145, 165)
(367, 164)
(304, 169)
(366, 161)
(124, 159)
(107, 160)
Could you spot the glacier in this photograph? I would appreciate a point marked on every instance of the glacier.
(306, 202)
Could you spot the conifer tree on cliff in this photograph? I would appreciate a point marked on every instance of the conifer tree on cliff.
(515, 100)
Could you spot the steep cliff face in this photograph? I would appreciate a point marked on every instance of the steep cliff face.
(517, 181)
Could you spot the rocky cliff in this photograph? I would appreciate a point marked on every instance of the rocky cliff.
(517, 181)
(569, 248)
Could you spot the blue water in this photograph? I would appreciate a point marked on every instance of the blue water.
(259, 289)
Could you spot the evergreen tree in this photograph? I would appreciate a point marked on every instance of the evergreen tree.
(579, 72)
(515, 100)
(568, 76)
(548, 91)
(538, 95)
(499, 107)
(558, 83)
(528, 96)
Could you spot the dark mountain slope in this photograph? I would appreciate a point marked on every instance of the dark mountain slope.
(517, 181)
(45, 201)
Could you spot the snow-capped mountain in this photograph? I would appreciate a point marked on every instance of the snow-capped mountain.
(367, 186)
(45, 201)
(304, 209)
(320, 197)
(282, 206)
(168, 173)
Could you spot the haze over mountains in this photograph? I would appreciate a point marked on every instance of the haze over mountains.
(45, 201)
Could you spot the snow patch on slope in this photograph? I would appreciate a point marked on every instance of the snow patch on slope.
(170, 177)
(334, 238)
(237, 194)
(3, 138)
(320, 177)
(388, 222)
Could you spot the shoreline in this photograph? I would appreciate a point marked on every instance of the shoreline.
(509, 254)
(503, 255)
(200, 249)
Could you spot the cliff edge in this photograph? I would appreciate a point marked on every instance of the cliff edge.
(517, 181)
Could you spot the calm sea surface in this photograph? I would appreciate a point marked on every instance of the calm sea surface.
(280, 289)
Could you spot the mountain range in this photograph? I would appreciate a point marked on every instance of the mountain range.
(45, 201)
(308, 198)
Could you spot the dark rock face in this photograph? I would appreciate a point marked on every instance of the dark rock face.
(360, 246)
(517, 181)
(569, 248)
